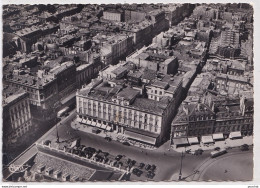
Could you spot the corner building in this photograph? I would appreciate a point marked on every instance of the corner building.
(121, 107)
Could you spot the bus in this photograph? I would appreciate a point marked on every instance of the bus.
(63, 112)
(218, 153)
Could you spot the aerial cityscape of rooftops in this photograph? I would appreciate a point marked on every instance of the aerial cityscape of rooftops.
(127, 92)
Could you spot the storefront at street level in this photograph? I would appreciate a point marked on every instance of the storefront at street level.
(207, 139)
(218, 136)
(141, 136)
(180, 142)
(95, 123)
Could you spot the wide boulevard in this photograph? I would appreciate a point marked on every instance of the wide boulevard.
(168, 162)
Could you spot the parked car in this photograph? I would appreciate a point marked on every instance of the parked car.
(147, 167)
(69, 150)
(153, 167)
(118, 157)
(137, 172)
(128, 161)
(134, 170)
(90, 150)
(150, 175)
(82, 154)
(81, 147)
(244, 147)
(119, 164)
(141, 165)
(99, 158)
(76, 152)
(89, 155)
(106, 160)
(105, 154)
(132, 163)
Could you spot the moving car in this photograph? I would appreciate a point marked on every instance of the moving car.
(108, 139)
(47, 142)
(218, 153)
(62, 112)
(244, 147)
(126, 144)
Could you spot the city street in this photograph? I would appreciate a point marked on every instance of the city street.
(128, 92)
(167, 162)
(236, 165)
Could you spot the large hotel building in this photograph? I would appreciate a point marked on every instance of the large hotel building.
(136, 102)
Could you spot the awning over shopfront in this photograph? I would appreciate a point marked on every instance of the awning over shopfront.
(180, 141)
(98, 125)
(235, 134)
(218, 136)
(103, 126)
(93, 123)
(79, 119)
(88, 122)
(141, 137)
(108, 128)
(207, 139)
(84, 121)
(193, 140)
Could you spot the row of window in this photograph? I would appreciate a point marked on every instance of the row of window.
(155, 92)
(107, 108)
(200, 131)
(234, 121)
(230, 83)
(136, 124)
(130, 115)
(202, 117)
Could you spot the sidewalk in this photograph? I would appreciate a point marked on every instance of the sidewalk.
(113, 135)
(221, 144)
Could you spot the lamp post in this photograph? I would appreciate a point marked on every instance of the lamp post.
(180, 174)
(58, 139)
